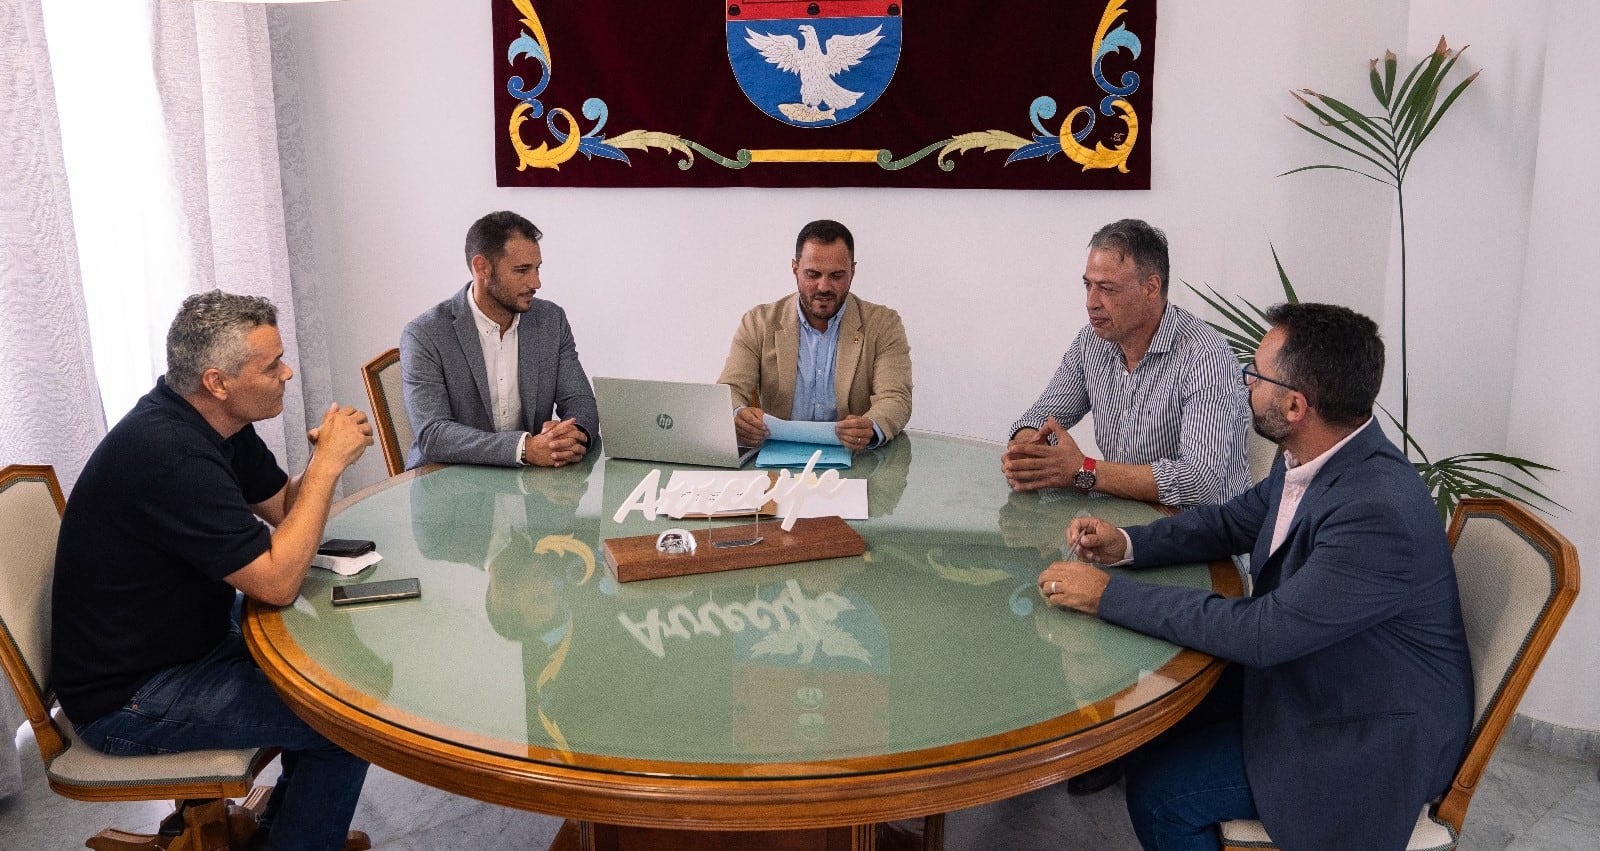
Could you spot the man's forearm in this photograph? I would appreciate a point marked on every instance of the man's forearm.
(294, 541)
(1129, 481)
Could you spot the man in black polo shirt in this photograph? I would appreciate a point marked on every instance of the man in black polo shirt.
(163, 527)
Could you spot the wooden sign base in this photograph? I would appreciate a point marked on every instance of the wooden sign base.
(813, 538)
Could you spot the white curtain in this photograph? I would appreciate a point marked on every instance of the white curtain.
(191, 195)
(214, 74)
(49, 407)
(49, 410)
(211, 213)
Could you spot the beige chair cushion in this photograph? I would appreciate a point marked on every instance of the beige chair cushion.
(1505, 582)
(29, 523)
(1428, 835)
(28, 527)
(81, 765)
(394, 395)
(1261, 452)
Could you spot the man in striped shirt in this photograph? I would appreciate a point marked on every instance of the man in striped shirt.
(1169, 411)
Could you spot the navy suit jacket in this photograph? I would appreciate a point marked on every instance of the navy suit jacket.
(1357, 687)
(447, 386)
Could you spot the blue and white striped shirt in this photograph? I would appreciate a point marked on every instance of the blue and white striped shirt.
(1183, 410)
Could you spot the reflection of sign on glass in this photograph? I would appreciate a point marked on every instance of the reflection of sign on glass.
(797, 625)
(814, 688)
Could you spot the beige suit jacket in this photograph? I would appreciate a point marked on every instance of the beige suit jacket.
(872, 369)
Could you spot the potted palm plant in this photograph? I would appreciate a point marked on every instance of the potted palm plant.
(1383, 145)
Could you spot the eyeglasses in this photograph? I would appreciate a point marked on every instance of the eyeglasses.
(1250, 375)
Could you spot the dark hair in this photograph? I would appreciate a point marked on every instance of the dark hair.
(827, 232)
(209, 331)
(1333, 355)
(488, 235)
(1137, 239)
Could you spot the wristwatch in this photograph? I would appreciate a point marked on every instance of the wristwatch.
(1085, 478)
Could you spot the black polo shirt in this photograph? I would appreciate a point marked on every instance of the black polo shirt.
(159, 516)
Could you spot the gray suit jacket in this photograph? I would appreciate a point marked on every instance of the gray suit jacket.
(1357, 688)
(447, 387)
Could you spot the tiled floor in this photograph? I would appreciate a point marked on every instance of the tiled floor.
(1529, 800)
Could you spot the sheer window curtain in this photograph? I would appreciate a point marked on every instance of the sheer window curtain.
(49, 409)
(198, 203)
(188, 195)
(214, 73)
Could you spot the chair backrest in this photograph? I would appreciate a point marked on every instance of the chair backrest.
(1262, 452)
(1518, 577)
(30, 518)
(381, 375)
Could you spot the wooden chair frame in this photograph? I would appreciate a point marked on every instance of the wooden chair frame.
(394, 455)
(1452, 808)
(1563, 591)
(200, 825)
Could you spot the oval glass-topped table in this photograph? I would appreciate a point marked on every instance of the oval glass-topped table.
(924, 676)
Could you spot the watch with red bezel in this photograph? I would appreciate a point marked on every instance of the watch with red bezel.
(1084, 479)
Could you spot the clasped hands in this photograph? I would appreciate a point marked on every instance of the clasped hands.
(1075, 584)
(1031, 462)
(343, 435)
(558, 443)
(855, 432)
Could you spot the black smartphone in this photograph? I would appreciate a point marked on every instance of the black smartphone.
(345, 547)
(373, 592)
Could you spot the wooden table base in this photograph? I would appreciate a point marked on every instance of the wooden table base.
(588, 836)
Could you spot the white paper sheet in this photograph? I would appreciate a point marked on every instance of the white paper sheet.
(346, 566)
(849, 502)
(796, 431)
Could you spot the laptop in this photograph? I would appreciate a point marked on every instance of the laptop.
(672, 421)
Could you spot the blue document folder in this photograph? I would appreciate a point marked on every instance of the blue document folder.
(783, 453)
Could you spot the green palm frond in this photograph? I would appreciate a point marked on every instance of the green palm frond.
(1388, 142)
(1477, 474)
(1384, 146)
(1458, 477)
(1246, 323)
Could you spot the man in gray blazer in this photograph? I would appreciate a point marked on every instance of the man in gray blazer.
(1348, 706)
(484, 369)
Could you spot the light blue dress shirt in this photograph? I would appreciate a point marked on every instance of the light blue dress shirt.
(815, 399)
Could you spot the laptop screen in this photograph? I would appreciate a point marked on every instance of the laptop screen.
(675, 422)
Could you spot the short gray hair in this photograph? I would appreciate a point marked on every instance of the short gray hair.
(209, 331)
(1136, 238)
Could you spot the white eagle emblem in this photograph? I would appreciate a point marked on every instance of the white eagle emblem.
(816, 68)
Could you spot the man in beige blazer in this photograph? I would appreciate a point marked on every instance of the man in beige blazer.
(822, 354)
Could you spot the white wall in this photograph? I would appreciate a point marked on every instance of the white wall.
(1555, 398)
(398, 128)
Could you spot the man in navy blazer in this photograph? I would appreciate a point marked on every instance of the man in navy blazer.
(1349, 704)
(483, 369)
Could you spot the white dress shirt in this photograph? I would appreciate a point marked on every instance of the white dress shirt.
(1296, 478)
(500, 364)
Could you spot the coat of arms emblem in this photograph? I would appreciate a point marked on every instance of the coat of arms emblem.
(814, 64)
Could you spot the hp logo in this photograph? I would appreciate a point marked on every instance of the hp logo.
(664, 421)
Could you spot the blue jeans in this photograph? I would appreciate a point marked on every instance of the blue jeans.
(1185, 781)
(224, 701)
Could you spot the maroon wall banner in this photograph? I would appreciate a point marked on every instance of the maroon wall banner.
(959, 94)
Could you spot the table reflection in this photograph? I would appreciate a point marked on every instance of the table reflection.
(523, 644)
